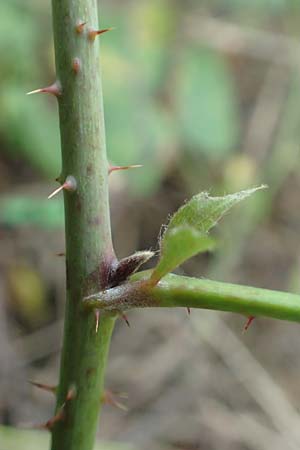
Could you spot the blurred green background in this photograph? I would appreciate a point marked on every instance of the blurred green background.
(206, 96)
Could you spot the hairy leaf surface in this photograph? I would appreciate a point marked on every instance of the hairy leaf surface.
(186, 233)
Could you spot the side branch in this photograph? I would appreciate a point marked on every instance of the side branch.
(179, 291)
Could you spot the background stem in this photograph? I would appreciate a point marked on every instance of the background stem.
(89, 251)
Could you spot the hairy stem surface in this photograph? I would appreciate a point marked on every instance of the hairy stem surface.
(89, 251)
(176, 290)
(179, 291)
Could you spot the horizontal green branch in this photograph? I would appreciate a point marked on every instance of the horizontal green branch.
(179, 291)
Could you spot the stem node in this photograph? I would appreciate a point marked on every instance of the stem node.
(76, 65)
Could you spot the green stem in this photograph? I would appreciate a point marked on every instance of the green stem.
(179, 291)
(206, 294)
(89, 251)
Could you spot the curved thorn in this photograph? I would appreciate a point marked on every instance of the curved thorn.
(44, 387)
(97, 317)
(69, 185)
(79, 27)
(71, 394)
(248, 323)
(109, 398)
(53, 89)
(94, 33)
(58, 417)
(116, 168)
(56, 191)
(124, 317)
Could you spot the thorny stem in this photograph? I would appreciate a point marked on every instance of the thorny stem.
(180, 291)
(89, 251)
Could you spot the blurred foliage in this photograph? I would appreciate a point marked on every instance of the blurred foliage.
(156, 94)
(165, 95)
(28, 211)
(28, 128)
(13, 438)
(271, 6)
(207, 112)
(28, 295)
(184, 107)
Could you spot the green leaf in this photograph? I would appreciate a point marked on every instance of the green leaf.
(186, 233)
(179, 245)
(203, 211)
